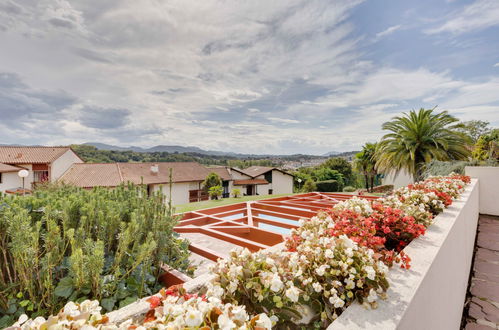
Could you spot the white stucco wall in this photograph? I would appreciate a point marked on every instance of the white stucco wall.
(62, 164)
(29, 179)
(431, 294)
(239, 176)
(400, 180)
(489, 187)
(282, 183)
(180, 191)
(10, 180)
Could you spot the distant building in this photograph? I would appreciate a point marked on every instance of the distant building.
(187, 178)
(44, 164)
(262, 180)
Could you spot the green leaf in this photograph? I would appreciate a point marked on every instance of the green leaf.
(128, 301)
(64, 288)
(19, 295)
(108, 303)
(24, 303)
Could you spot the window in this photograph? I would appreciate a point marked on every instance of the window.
(0, 177)
(268, 176)
(40, 176)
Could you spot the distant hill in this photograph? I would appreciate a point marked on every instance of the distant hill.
(195, 150)
(331, 153)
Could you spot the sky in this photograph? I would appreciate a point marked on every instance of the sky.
(282, 77)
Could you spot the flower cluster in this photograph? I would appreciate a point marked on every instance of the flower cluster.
(359, 205)
(322, 276)
(171, 309)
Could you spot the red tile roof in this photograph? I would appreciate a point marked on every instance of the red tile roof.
(251, 181)
(30, 155)
(111, 175)
(222, 171)
(92, 175)
(4, 168)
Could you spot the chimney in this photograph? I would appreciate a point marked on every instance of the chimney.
(155, 169)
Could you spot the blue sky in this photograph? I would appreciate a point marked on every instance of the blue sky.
(294, 76)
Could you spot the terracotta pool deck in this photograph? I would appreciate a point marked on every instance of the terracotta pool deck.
(482, 305)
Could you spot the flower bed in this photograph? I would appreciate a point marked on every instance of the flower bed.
(338, 257)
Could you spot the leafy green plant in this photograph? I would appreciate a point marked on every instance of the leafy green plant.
(418, 137)
(309, 186)
(65, 243)
(211, 180)
(349, 189)
(215, 192)
(329, 186)
(236, 192)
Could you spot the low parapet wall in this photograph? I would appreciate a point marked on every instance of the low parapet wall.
(431, 294)
(489, 187)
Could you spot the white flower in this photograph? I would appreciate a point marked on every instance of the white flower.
(371, 274)
(71, 309)
(264, 321)
(225, 323)
(293, 294)
(329, 253)
(372, 296)
(276, 284)
(240, 313)
(321, 270)
(193, 318)
(317, 287)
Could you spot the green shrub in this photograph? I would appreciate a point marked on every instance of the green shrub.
(309, 186)
(329, 186)
(236, 192)
(215, 192)
(75, 244)
(212, 180)
(349, 189)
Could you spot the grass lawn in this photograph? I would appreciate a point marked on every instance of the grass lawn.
(224, 201)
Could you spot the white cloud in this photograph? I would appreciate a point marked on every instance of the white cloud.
(388, 31)
(253, 76)
(496, 65)
(283, 120)
(479, 15)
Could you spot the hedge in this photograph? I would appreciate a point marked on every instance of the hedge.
(329, 186)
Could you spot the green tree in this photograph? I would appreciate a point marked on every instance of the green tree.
(326, 173)
(215, 192)
(309, 186)
(365, 163)
(212, 180)
(474, 129)
(418, 137)
(487, 146)
(341, 165)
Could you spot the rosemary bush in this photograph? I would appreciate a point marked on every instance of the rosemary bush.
(65, 243)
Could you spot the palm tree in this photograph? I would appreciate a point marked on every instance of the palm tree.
(418, 137)
(365, 162)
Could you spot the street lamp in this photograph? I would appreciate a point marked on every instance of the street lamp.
(299, 183)
(22, 174)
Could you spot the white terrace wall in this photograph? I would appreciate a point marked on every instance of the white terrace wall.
(431, 294)
(489, 187)
(398, 180)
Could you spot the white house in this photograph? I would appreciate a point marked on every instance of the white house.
(397, 179)
(262, 180)
(44, 164)
(187, 178)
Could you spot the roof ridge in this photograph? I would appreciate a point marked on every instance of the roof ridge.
(119, 172)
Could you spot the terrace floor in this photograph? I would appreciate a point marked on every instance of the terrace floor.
(482, 310)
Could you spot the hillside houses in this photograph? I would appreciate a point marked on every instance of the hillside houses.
(62, 164)
(44, 164)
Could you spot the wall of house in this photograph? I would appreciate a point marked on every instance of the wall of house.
(10, 180)
(62, 164)
(239, 176)
(431, 295)
(398, 181)
(180, 191)
(489, 191)
(282, 183)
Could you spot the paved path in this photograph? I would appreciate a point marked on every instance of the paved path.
(483, 300)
